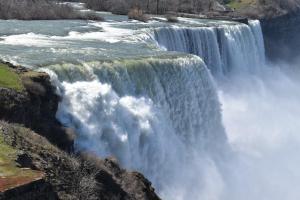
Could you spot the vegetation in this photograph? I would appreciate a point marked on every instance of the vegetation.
(239, 4)
(21, 140)
(9, 79)
(47, 9)
(83, 176)
(39, 10)
(150, 6)
(264, 8)
(137, 14)
(250, 8)
(10, 174)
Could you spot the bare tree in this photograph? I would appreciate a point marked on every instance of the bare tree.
(38, 10)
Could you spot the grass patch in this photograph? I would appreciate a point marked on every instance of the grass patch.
(9, 79)
(240, 4)
(10, 174)
(7, 155)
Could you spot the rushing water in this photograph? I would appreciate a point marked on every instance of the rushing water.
(133, 90)
(225, 50)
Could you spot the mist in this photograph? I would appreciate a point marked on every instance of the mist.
(261, 117)
(260, 114)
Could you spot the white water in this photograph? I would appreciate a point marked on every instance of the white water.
(162, 116)
(161, 112)
(226, 50)
(261, 116)
(158, 116)
(260, 109)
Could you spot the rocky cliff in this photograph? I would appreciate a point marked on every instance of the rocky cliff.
(70, 177)
(34, 106)
(40, 164)
(281, 36)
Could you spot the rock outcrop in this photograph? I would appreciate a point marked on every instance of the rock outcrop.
(34, 190)
(35, 107)
(28, 125)
(83, 176)
(281, 37)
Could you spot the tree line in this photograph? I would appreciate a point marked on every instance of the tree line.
(151, 6)
(259, 8)
(40, 10)
(273, 8)
(51, 9)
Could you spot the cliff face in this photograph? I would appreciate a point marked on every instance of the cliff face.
(70, 177)
(281, 36)
(36, 189)
(34, 106)
(65, 175)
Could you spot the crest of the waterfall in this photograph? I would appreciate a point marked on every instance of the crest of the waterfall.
(198, 41)
(154, 115)
(225, 49)
(259, 39)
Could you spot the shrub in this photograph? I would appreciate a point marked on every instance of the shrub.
(37, 10)
(137, 14)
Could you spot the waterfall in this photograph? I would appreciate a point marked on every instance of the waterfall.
(151, 113)
(159, 96)
(225, 49)
(161, 115)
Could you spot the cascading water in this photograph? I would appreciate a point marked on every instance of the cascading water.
(159, 112)
(152, 114)
(159, 115)
(225, 49)
(260, 110)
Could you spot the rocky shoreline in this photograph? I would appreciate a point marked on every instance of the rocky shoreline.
(28, 126)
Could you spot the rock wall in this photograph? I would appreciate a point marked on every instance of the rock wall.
(35, 190)
(35, 107)
(282, 39)
(82, 176)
